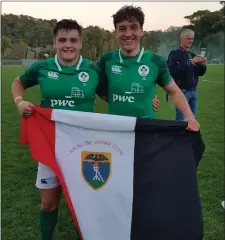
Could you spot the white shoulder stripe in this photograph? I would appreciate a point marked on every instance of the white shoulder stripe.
(79, 63)
(141, 54)
(57, 63)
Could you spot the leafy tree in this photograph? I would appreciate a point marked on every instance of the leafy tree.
(6, 43)
(21, 31)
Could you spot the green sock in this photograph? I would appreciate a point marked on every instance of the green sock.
(47, 224)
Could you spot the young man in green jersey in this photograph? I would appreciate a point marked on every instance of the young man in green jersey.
(67, 81)
(129, 75)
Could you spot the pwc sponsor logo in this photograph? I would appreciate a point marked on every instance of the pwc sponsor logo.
(122, 98)
(135, 90)
(75, 93)
(62, 103)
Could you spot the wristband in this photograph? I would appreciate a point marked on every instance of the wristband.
(17, 98)
(20, 104)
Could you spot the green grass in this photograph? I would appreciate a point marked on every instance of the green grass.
(20, 198)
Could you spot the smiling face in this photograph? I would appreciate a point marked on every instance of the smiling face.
(68, 44)
(129, 34)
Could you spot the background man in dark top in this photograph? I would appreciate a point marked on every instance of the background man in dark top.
(185, 68)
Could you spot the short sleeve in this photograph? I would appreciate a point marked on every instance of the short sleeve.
(30, 77)
(102, 88)
(164, 76)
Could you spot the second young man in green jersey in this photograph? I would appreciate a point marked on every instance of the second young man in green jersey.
(129, 75)
(128, 78)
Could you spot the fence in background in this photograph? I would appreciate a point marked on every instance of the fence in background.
(26, 62)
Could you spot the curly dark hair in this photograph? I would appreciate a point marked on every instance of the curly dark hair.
(67, 24)
(129, 13)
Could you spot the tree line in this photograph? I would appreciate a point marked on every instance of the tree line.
(27, 37)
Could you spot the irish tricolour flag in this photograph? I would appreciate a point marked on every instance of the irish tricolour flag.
(124, 178)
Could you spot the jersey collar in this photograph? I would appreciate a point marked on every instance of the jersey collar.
(60, 68)
(139, 57)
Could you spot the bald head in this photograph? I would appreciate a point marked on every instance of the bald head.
(186, 38)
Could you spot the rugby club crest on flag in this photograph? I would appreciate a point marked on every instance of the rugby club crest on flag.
(124, 178)
(96, 168)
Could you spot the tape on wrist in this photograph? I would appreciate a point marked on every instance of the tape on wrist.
(20, 104)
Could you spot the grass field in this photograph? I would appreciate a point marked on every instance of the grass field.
(20, 198)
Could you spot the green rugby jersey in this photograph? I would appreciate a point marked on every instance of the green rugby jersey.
(131, 81)
(63, 87)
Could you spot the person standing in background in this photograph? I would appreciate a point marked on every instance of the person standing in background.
(185, 67)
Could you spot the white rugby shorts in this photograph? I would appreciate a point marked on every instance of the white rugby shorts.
(46, 178)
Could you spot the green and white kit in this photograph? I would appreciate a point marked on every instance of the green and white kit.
(130, 82)
(61, 87)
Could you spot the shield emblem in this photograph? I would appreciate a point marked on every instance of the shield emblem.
(96, 168)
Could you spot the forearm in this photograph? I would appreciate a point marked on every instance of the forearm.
(17, 90)
(180, 101)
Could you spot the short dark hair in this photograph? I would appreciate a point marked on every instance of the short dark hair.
(67, 24)
(129, 13)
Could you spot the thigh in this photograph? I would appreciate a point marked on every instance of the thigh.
(193, 102)
(49, 186)
(46, 178)
(179, 114)
(187, 94)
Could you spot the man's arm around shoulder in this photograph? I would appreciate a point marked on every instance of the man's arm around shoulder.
(102, 88)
